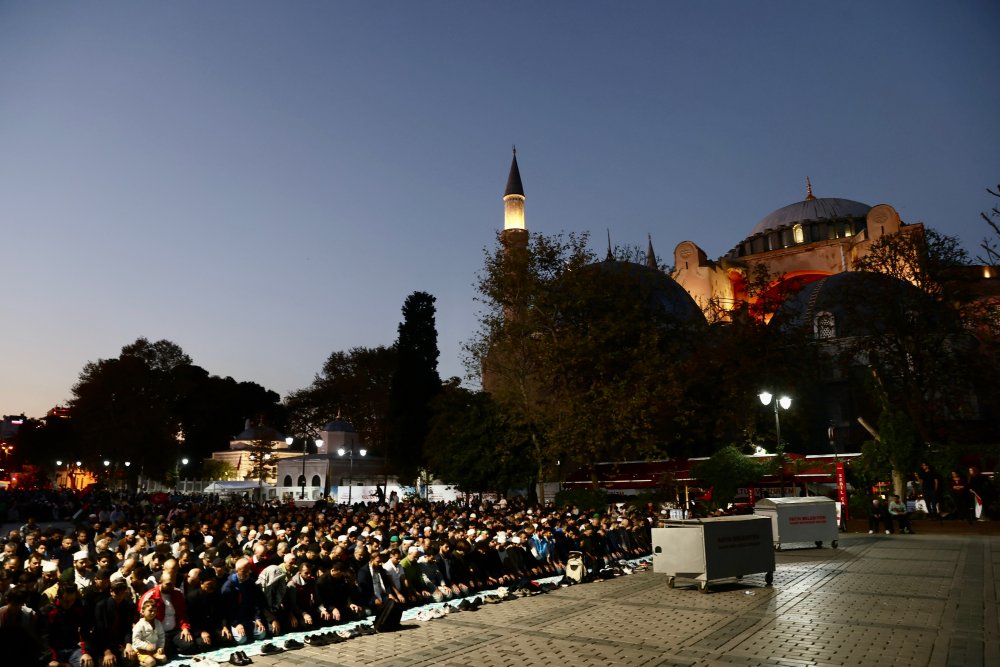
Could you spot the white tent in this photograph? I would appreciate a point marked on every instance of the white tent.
(223, 487)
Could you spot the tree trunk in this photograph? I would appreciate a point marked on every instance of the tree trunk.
(899, 483)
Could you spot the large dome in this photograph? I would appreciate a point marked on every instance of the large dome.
(826, 208)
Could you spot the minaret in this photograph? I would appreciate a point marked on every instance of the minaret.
(515, 235)
(650, 255)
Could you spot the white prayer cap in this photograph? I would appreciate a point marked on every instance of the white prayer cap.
(81, 555)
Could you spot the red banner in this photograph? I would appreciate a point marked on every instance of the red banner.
(842, 489)
(752, 496)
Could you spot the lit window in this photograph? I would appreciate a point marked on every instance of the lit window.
(797, 234)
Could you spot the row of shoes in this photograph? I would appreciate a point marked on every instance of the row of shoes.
(341, 635)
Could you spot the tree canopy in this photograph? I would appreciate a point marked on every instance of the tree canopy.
(151, 406)
(415, 383)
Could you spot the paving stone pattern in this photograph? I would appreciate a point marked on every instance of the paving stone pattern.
(877, 600)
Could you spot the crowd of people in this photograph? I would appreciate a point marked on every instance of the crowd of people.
(138, 583)
(957, 497)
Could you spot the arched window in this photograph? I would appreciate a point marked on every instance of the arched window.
(316, 481)
(302, 480)
(824, 325)
(797, 234)
(287, 481)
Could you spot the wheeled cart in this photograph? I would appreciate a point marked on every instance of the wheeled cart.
(811, 519)
(706, 550)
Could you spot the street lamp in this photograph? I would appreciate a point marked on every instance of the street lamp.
(785, 402)
(177, 470)
(350, 478)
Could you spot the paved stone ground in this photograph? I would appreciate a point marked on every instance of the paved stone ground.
(877, 600)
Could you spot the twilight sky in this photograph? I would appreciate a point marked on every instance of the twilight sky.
(264, 183)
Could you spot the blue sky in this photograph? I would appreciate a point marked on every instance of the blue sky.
(264, 183)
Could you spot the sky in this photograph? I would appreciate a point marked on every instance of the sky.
(264, 183)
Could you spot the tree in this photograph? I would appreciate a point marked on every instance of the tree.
(470, 445)
(263, 464)
(507, 351)
(989, 245)
(151, 405)
(354, 384)
(582, 355)
(920, 256)
(123, 409)
(415, 383)
(920, 359)
(213, 469)
(727, 470)
(895, 450)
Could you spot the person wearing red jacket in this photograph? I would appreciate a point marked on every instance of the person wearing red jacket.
(171, 610)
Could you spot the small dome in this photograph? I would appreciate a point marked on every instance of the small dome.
(859, 303)
(265, 433)
(828, 208)
(339, 426)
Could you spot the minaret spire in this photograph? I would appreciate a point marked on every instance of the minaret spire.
(611, 256)
(650, 255)
(809, 190)
(513, 198)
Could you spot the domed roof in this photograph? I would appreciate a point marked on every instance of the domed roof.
(861, 303)
(823, 208)
(258, 432)
(661, 292)
(338, 425)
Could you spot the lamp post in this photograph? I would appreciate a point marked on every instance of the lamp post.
(177, 470)
(350, 478)
(785, 402)
(59, 463)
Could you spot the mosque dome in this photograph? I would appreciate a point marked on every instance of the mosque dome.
(659, 292)
(339, 425)
(811, 210)
(812, 220)
(860, 303)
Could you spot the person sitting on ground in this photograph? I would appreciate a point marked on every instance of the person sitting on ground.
(876, 515)
(204, 605)
(148, 637)
(68, 629)
(171, 611)
(114, 617)
(898, 513)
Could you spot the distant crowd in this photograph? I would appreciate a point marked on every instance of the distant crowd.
(138, 582)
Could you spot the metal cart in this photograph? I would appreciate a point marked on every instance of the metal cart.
(706, 550)
(808, 519)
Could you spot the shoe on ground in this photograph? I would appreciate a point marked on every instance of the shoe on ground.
(293, 645)
(315, 640)
(269, 649)
(871, 532)
(888, 532)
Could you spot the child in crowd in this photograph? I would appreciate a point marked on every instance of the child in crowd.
(148, 638)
